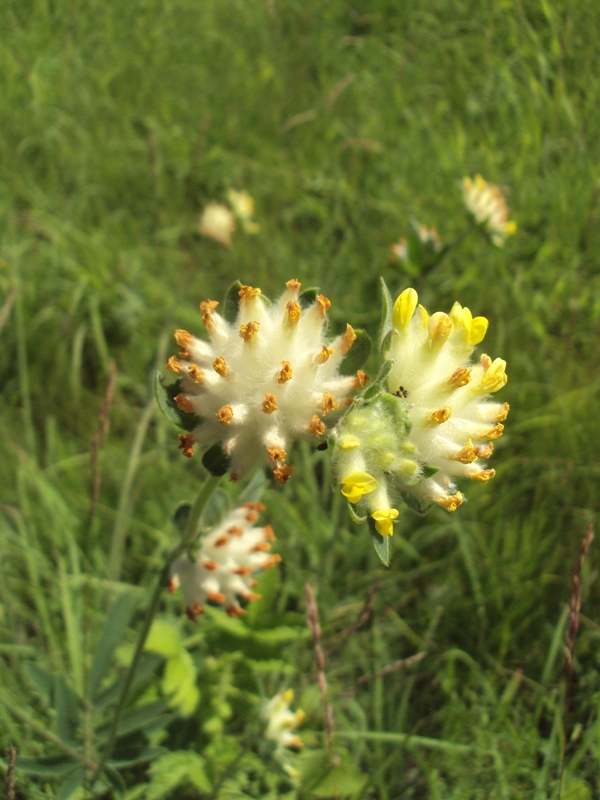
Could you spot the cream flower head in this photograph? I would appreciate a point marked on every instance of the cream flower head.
(243, 207)
(486, 203)
(430, 422)
(264, 378)
(228, 556)
(282, 721)
(218, 223)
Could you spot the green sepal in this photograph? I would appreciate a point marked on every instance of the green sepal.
(429, 470)
(354, 516)
(358, 354)
(216, 460)
(308, 297)
(413, 502)
(180, 517)
(165, 397)
(231, 303)
(398, 408)
(379, 385)
(387, 304)
(387, 342)
(380, 543)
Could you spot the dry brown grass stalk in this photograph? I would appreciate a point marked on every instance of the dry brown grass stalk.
(312, 613)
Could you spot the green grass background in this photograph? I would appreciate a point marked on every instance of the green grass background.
(119, 122)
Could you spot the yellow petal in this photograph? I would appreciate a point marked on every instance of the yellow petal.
(479, 328)
(404, 308)
(384, 521)
(357, 484)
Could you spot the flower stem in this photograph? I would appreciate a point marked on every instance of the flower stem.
(191, 530)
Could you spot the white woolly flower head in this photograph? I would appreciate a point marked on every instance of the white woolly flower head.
(243, 207)
(486, 203)
(222, 570)
(282, 721)
(263, 379)
(428, 239)
(218, 223)
(432, 423)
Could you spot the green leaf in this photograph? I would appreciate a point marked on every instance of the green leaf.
(308, 297)
(217, 508)
(413, 502)
(67, 710)
(70, 785)
(118, 619)
(165, 397)
(387, 304)
(174, 769)
(342, 781)
(354, 516)
(179, 681)
(46, 767)
(147, 754)
(149, 664)
(42, 680)
(164, 639)
(380, 383)
(180, 516)
(216, 460)
(144, 717)
(231, 304)
(268, 587)
(380, 543)
(358, 354)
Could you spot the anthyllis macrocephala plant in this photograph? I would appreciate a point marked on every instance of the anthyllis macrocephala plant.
(487, 206)
(266, 376)
(281, 726)
(426, 422)
(221, 571)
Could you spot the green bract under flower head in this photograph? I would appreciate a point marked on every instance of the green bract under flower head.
(265, 378)
(430, 422)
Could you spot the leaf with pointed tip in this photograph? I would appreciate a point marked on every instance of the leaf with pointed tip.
(308, 297)
(354, 516)
(387, 304)
(380, 543)
(165, 397)
(46, 767)
(67, 710)
(231, 303)
(216, 460)
(358, 354)
(71, 783)
(119, 616)
(145, 755)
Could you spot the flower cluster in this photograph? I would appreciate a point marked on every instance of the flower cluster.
(282, 721)
(229, 555)
(486, 203)
(432, 425)
(218, 222)
(428, 238)
(264, 379)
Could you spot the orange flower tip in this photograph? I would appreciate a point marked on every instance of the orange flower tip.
(254, 506)
(174, 364)
(323, 355)
(248, 292)
(282, 473)
(451, 502)
(328, 403)
(361, 379)
(221, 541)
(484, 475)
(460, 377)
(285, 373)
(269, 404)
(252, 583)
(495, 432)
(502, 413)
(235, 611)
(196, 374)
(249, 331)
(324, 303)
(485, 450)
(467, 454)
(186, 443)
(273, 559)
(183, 338)
(485, 362)
(244, 570)
(220, 366)
(251, 516)
(193, 611)
(348, 401)
(348, 339)
(216, 597)
(235, 531)
(225, 415)
(185, 354)
(440, 416)
(172, 587)
(293, 285)
(208, 564)
(316, 427)
(261, 547)
(276, 453)
(269, 534)
(184, 403)
(249, 597)
(293, 312)
(207, 307)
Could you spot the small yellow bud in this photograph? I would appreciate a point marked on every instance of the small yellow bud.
(423, 315)
(404, 308)
(348, 339)
(495, 377)
(467, 454)
(324, 354)
(483, 475)
(439, 327)
(460, 377)
(356, 485)
(348, 442)
(384, 521)
(478, 331)
(451, 502)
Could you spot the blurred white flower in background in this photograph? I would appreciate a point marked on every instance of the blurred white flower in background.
(218, 223)
(243, 207)
(487, 205)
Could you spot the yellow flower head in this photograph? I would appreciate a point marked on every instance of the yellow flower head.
(384, 520)
(356, 485)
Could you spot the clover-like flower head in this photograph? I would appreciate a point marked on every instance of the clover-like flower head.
(222, 570)
(433, 423)
(263, 380)
(282, 721)
(487, 205)
(218, 223)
